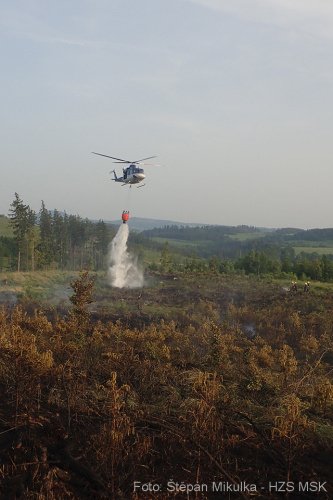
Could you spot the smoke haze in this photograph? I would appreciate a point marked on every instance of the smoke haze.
(124, 271)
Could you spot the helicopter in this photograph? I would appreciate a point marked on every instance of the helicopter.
(133, 174)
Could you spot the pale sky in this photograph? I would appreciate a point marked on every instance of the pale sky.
(235, 97)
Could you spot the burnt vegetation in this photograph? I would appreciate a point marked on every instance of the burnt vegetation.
(195, 378)
(215, 370)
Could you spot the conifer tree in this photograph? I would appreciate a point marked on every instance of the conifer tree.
(31, 237)
(59, 237)
(22, 219)
(46, 246)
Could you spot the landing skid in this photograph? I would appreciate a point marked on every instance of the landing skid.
(130, 185)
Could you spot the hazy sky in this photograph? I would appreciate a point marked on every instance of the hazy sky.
(234, 96)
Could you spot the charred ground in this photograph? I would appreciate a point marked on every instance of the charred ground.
(192, 378)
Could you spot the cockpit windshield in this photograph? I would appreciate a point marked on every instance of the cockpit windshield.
(137, 170)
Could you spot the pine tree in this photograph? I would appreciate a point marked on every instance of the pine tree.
(21, 218)
(46, 245)
(31, 237)
(59, 237)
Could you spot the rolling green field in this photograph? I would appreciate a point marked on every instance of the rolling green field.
(236, 237)
(320, 250)
(178, 243)
(247, 236)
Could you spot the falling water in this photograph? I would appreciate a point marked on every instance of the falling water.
(124, 271)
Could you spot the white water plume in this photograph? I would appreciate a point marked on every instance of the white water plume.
(124, 271)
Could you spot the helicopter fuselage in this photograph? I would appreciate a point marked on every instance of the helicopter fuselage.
(131, 175)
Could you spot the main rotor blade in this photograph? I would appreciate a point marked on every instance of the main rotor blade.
(150, 164)
(149, 157)
(113, 158)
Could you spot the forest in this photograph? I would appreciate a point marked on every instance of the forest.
(215, 374)
(56, 240)
(52, 240)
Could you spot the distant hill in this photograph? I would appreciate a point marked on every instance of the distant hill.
(323, 234)
(233, 241)
(142, 224)
(288, 231)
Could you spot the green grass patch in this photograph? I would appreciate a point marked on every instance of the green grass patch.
(39, 285)
(180, 243)
(320, 250)
(247, 236)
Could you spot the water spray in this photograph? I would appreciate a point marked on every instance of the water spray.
(124, 271)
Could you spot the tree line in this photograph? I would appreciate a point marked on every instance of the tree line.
(303, 265)
(52, 240)
(55, 240)
(270, 260)
(198, 233)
